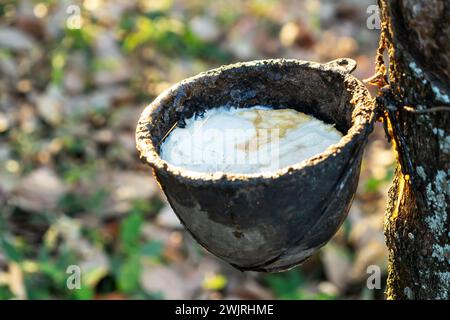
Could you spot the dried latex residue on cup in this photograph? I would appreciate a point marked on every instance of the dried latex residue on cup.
(250, 140)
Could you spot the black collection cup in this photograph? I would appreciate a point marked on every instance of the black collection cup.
(269, 221)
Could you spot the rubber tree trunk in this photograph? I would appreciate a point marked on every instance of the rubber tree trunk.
(414, 104)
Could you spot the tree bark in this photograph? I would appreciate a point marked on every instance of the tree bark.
(414, 106)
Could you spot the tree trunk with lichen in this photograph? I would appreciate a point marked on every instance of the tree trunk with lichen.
(415, 108)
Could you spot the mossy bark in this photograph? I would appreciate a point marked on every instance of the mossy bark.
(414, 104)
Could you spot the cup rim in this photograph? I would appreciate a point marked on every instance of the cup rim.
(362, 124)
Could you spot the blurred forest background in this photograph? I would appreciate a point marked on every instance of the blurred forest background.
(72, 190)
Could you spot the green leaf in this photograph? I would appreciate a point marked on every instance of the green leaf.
(324, 296)
(84, 293)
(152, 249)
(56, 274)
(96, 200)
(5, 293)
(372, 185)
(130, 230)
(146, 208)
(287, 285)
(129, 273)
(11, 251)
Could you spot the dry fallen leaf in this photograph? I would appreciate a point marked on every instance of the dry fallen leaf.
(14, 39)
(39, 191)
(337, 264)
(50, 105)
(165, 280)
(130, 185)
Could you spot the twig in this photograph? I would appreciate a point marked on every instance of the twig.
(168, 132)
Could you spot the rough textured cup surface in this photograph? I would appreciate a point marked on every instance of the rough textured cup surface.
(275, 220)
